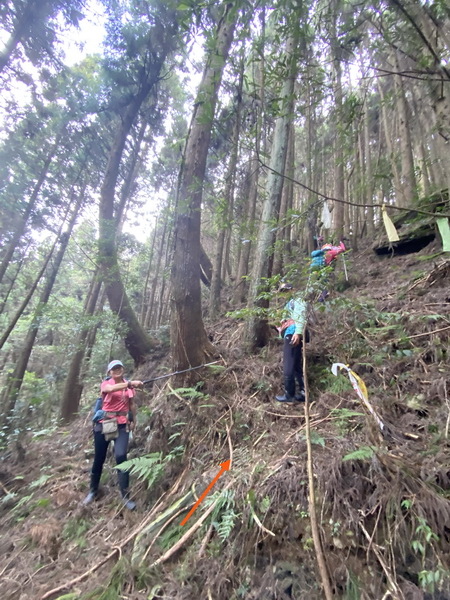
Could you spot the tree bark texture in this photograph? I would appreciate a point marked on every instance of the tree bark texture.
(137, 341)
(189, 341)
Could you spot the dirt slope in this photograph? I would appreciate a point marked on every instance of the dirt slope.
(384, 511)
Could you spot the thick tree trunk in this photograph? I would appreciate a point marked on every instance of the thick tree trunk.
(189, 342)
(137, 342)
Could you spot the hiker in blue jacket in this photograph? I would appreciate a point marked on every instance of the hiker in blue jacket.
(291, 330)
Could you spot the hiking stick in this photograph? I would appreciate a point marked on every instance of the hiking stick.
(178, 372)
(323, 570)
(345, 268)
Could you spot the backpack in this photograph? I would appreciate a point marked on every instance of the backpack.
(317, 259)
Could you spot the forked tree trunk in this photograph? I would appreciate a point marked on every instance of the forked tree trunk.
(137, 341)
(189, 342)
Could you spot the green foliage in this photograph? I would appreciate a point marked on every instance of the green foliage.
(345, 418)
(40, 481)
(363, 453)
(315, 438)
(74, 531)
(191, 393)
(149, 467)
(224, 516)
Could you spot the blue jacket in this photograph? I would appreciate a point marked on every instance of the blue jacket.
(318, 259)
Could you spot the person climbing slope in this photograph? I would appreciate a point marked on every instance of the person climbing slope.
(320, 260)
(117, 394)
(291, 331)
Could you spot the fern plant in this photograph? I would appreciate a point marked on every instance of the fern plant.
(363, 453)
(149, 467)
(223, 517)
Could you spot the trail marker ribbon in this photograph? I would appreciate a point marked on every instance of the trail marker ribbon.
(360, 388)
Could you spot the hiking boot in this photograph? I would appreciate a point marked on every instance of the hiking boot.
(130, 504)
(285, 398)
(90, 498)
(93, 492)
(124, 478)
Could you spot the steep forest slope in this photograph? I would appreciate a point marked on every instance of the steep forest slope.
(382, 499)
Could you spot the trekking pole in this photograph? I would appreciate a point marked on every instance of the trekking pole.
(345, 268)
(178, 372)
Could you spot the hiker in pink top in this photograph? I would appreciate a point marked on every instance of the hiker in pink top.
(119, 411)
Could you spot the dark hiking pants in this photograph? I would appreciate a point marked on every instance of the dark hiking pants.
(292, 366)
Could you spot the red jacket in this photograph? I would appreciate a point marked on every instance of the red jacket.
(332, 252)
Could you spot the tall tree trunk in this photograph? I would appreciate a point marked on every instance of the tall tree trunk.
(148, 270)
(189, 342)
(368, 175)
(136, 340)
(339, 183)
(283, 249)
(387, 128)
(14, 381)
(225, 221)
(157, 276)
(73, 387)
(247, 230)
(408, 192)
(257, 331)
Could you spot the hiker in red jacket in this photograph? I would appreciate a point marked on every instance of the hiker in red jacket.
(323, 258)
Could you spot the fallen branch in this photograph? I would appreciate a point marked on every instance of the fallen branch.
(421, 334)
(258, 522)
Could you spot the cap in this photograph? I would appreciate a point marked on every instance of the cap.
(112, 364)
(284, 285)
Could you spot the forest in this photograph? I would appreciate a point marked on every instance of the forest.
(164, 166)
